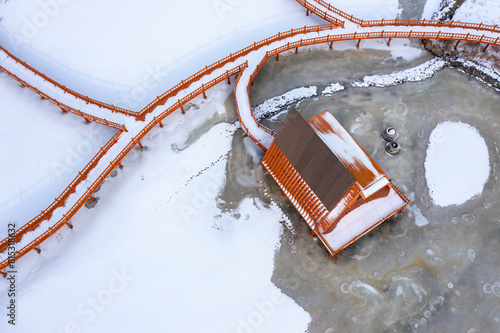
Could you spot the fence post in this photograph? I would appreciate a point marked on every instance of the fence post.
(67, 222)
(494, 43)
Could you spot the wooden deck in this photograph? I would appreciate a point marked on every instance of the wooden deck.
(337, 188)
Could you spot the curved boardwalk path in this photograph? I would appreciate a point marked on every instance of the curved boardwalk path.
(134, 125)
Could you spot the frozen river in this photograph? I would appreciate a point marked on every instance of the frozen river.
(430, 268)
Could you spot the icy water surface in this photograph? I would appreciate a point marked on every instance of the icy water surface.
(430, 269)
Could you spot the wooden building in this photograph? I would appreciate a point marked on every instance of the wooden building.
(337, 188)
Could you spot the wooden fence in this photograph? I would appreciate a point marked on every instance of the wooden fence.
(395, 22)
(60, 201)
(65, 108)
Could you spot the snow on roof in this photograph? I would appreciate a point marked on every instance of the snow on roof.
(363, 219)
(348, 151)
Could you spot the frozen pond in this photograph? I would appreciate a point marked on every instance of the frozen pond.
(429, 269)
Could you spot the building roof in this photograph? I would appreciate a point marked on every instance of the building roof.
(366, 172)
(338, 189)
(313, 158)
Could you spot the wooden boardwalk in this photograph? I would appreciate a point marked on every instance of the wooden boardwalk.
(132, 126)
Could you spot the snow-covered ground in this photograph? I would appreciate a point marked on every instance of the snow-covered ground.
(431, 7)
(457, 163)
(479, 11)
(369, 10)
(272, 106)
(418, 73)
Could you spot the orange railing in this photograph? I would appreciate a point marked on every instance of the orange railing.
(231, 58)
(183, 84)
(242, 123)
(66, 108)
(87, 99)
(59, 202)
(323, 14)
(395, 22)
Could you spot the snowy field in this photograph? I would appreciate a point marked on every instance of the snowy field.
(158, 252)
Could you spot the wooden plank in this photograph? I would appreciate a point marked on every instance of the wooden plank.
(312, 158)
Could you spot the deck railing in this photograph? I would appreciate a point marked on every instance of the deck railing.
(395, 22)
(201, 89)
